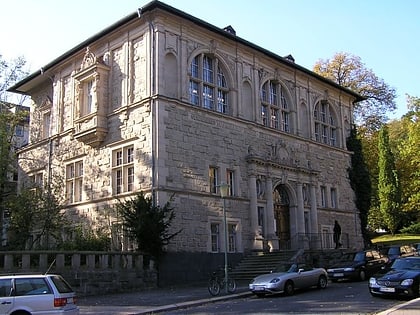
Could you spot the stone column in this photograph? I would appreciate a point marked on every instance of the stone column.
(252, 185)
(271, 236)
(300, 209)
(314, 213)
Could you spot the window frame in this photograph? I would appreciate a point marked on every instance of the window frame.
(275, 108)
(74, 181)
(325, 126)
(123, 170)
(208, 86)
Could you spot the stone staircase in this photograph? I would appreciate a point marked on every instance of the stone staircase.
(258, 263)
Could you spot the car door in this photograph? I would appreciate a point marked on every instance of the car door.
(6, 300)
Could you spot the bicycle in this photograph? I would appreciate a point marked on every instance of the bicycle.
(217, 282)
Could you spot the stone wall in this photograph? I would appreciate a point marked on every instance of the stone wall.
(89, 273)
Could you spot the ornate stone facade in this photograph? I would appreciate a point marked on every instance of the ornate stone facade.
(165, 103)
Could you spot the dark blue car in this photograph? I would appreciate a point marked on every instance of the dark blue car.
(357, 265)
(402, 280)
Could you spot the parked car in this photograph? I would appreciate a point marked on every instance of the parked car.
(402, 280)
(36, 294)
(287, 278)
(357, 265)
(397, 251)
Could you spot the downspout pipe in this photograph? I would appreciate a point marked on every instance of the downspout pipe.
(152, 92)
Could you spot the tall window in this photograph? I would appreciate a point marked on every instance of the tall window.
(232, 238)
(333, 193)
(74, 181)
(213, 179)
(215, 237)
(230, 180)
(325, 124)
(46, 121)
(323, 196)
(88, 97)
(36, 181)
(208, 86)
(275, 110)
(123, 170)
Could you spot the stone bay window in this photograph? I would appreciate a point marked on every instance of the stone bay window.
(91, 88)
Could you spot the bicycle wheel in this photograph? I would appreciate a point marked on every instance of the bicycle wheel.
(214, 287)
(231, 285)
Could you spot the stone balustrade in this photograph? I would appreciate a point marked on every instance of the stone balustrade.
(88, 272)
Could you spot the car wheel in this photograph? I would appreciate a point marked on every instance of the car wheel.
(289, 288)
(362, 275)
(322, 282)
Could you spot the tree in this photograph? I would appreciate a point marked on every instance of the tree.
(360, 181)
(348, 71)
(36, 211)
(147, 223)
(10, 73)
(10, 118)
(388, 185)
(409, 159)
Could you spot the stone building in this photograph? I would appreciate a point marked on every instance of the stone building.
(165, 103)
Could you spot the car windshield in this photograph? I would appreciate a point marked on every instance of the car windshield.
(286, 268)
(348, 257)
(406, 264)
(394, 251)
(61, 284)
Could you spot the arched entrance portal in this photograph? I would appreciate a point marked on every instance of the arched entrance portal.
(282, 216)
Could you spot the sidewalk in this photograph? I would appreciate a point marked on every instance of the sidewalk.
(167, 299)
(155, 300)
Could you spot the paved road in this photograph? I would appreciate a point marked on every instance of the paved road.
(168, 300)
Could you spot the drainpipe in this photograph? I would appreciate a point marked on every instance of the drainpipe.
(152, 92)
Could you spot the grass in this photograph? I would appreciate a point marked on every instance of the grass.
(396, 239)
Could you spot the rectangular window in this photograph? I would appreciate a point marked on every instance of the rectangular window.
(333, 136)
(74, 181)
(333, 198)
(123, 170)
(232, 238)
(323, 196)
(194, 68)
(213, 180)
(317, 132)
(194, 99)
(36, 180)
(207, 69)
(215, 237)
(264, 115)
(273, 93)
(46, 124)
(274, 118)
(19, 130)
(89, 97)
(221, 101)
(208, 97)
(230, 180)
(285, 121)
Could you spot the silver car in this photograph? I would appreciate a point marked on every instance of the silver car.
(288, 278)
(37, 294)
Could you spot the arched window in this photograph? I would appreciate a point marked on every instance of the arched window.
(325, 124)
(208, 87)
(275, 109)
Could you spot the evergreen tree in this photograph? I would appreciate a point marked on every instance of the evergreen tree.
(147, 223)
(388, 185)
(360, 181)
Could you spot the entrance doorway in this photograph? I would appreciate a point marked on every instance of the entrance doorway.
(282, 216)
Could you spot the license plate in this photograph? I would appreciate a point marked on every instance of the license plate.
(70, 300)
(259, 289)
(387, 289)
(338, 275)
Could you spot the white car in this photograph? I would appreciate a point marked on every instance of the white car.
(288, 278)
(37, 294)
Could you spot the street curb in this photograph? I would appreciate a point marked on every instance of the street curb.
(403, 309)
(171, 307)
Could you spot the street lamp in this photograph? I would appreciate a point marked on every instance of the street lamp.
(224, 188)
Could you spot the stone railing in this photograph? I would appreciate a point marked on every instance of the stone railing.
(88, 272)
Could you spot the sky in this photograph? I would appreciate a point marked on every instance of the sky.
(383, 33)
